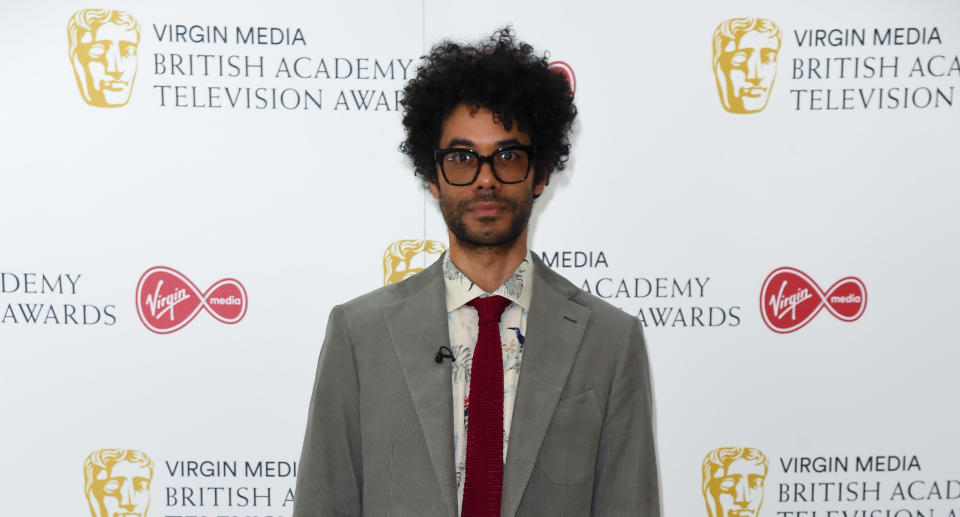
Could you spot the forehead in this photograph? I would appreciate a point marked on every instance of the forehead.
(113, 32)
(127, 469)
(741, 466)
(757, 39)
(477, 125)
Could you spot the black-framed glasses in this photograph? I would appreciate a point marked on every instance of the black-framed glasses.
(510, 164)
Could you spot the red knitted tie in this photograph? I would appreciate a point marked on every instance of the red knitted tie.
(484, 473)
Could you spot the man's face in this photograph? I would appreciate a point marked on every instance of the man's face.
(737, 489)
(748, 66)
(485, 213)
(108, 56)
(123, 490)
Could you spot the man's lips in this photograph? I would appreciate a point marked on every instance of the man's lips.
(113, 85)
(486, 209)
(755, 91)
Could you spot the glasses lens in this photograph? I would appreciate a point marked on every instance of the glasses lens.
(511, 164)
(459, 166)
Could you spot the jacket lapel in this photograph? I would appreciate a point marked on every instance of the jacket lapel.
(555, 327)
(418, 327)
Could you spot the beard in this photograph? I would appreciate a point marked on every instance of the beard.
(518, 212)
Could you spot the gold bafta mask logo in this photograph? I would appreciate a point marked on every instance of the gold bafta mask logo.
(398, 257)
(745, 62)
(103, 52)
(117, 482)
(733, 481)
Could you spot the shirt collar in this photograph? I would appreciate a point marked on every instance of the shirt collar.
(518, 288)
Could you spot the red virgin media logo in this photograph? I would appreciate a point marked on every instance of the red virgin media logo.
(789, 299)
(561, 67)
(167, 300)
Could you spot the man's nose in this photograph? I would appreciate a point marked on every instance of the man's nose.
(486, 178)
(740, 495)
(753, 68)
(113, 62)
(126, 497)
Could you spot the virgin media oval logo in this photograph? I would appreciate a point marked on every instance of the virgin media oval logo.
(167, 300)
(789, 299)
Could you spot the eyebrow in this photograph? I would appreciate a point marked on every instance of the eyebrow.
(463, 142)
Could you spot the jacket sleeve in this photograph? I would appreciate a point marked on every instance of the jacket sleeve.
(626, 480)
(330, 472)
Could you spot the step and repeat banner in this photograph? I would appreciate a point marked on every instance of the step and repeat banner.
(188, 188)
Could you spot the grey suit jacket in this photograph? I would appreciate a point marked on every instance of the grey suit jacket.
(379, 439)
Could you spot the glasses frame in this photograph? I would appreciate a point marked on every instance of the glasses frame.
(440, 154)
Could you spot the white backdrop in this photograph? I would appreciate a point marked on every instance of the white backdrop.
(298, 206)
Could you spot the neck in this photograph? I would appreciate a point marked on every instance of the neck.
(488, 267)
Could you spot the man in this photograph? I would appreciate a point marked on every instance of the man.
(554, 381)
(733, 481)
(745, 62)
(103, 52)
(117, 482)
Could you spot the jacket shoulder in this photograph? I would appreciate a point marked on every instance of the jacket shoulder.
(602, 311)
(372, 303)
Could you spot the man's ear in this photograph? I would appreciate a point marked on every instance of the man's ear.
(540, 185)
(434, 189)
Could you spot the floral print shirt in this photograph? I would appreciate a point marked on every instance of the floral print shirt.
(462, 321)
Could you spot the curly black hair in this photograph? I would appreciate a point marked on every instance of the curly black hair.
(502, 75)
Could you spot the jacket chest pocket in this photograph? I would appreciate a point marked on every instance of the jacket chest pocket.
(569, 449)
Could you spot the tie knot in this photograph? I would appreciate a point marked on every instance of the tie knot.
(489, 308)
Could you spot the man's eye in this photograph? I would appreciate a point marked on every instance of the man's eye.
(128, 50)
(756, 482)
(726, 485)
(97, 50)
(460, 158)
(142, 485)
(508, 156)
(739, 58)
(769, 57)
(111, 487)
